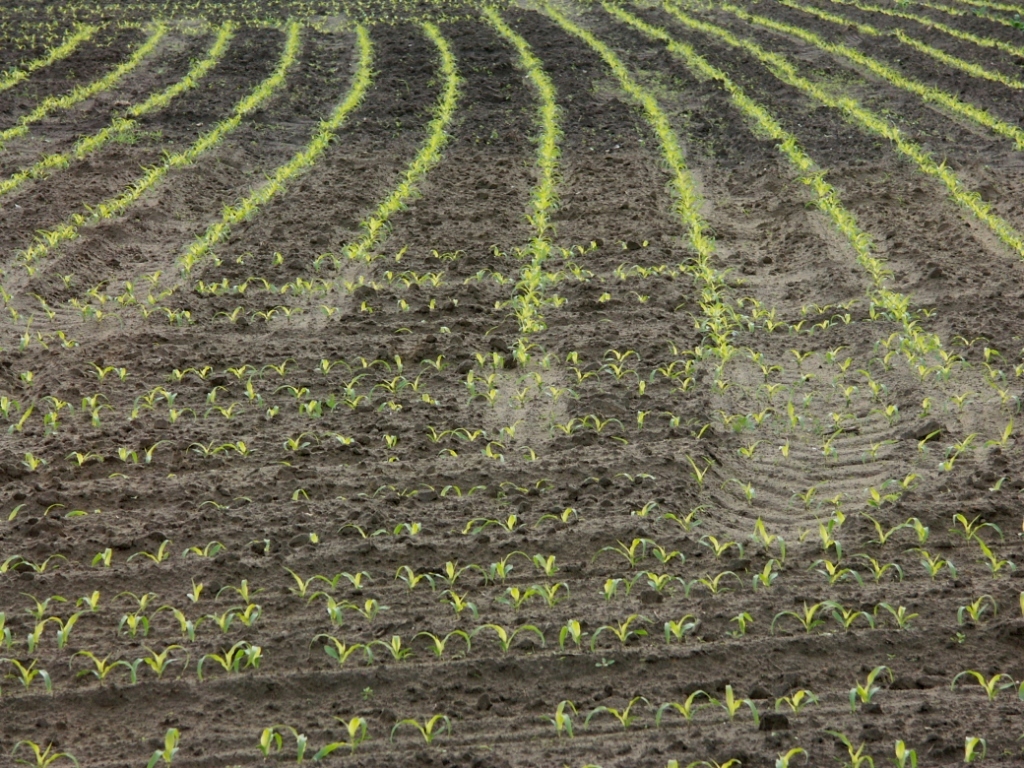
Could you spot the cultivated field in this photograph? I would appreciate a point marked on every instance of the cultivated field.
(464, 385)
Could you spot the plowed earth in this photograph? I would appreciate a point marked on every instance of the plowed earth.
(396, 479)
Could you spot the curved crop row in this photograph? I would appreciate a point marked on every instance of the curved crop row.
(975, 70)
(722, 319)
(828, 200)
(784, 71)
(985, 5)
(121, 126)
(325, 134)
(81, 34)
(428, 156)
(115, 206)
(781, 67)
(926, 92)
(544, 196)
(83, 92)
(970, 37)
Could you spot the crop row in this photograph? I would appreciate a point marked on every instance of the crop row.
(124, 124)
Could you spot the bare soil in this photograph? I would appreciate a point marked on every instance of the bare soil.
(302, 500)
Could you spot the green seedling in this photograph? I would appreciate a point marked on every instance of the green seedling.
(878, 570)
(633, 552)
(623, 632)
(357, 730)
(395, 648)
(714, 583)
(233, 658)
(971, 746)
(562, 720)
(864, 693)
(687, 708)
(905, 757)
(26, 675)
(846, 617)
(159, 662)
(883, 535)
(720, 548)
(438, 644)
(429, 729)
(166, 755)
(994, 563)
(573, 632)
(341, 652)
(40, 757)
(680, 628)
(992, 685)
(732, 704)
(808, 618)
(857, 758)
(783, 761)
(934, 564)
(973, 611)
(900, 615)
(626, 716)
(796, 701)
(766, 578)
(971, 529)
(835, 572)
(506, 638)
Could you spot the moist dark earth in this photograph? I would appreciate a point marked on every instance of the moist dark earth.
(286, 454)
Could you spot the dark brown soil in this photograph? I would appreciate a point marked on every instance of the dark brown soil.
(362, 439)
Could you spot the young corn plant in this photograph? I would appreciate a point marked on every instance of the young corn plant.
(905, 757)
(429, 729)
(438, 644)
(975, 748)
(170, 749)
(573, 632)
(680, 628)
(506, 638)
(26, 675)
(901, 616)
(158, 662)
(808, 618)
(241, 655)
(624, 632)
(626, 716)
(976, 609)
(863, 693)
(971, 529)
(991, 685)
(733, 704)
(340, 651)
(796, 701)
(41, 757)
(687, 708)
(856, 756)
(562, 719)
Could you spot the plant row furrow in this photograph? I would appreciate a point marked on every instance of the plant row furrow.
(960, 34)
(926, 92)
(975, 70)
(81, 93)
(122, 125)
(80, 34)
(375, 225)
(784, 70)
(533, 279)
(115, 206)
(325, 134)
